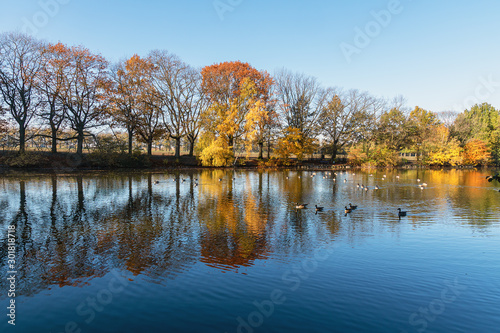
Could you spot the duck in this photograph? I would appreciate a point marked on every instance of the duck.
(345, 180)
(366, 188)
(376, 187)
(319, 209)
(418, 180)
(352, 207)
(357, 186)
(301, 206)
(397, 177)
(421, 187)
(424, 184)
(347, 210)
(401, 213)
(220, 179)
(157, 182)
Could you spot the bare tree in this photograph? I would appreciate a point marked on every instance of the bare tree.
(20, 63)
(177, 84)
(299, 100)
(346, 117)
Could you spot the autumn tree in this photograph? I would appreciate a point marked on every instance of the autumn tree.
(344, 116)
(482, 122)
(233, 89)
(444, 149)
(181, 100)
(262, 123)
(149, 118)
(20, 64)
(84, 89)
(293, 142)
(50, 85)
(422, 124)
(129, 80)
(476, 152)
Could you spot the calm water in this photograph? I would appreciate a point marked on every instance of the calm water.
(152, 253)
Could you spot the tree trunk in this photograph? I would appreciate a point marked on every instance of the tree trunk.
(79, 147)
(261, 149)
(334, 153)
(22, 139)
(54, 140)
(150, 147)
(230, 142)
(191, 145)
(268, 150)
(130, 139)
(177, 146)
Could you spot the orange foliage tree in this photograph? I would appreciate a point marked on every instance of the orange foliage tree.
(50, 85)
(476, 152)
(227, 85)
(131, 81)
(84, 89)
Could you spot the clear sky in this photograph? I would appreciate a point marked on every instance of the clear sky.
(440, 55)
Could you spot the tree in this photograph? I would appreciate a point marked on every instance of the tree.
(178, 87)
(444, 149)
(84, 89)
(20, 64)
(50, 84)
(422, 125)
(475, 152)
(149, 124)
(300, 101)
(344, 116)
(232, 89)
(129, 78)
(294, 143)
(481, 122)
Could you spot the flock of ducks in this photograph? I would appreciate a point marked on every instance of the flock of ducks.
(348, 209)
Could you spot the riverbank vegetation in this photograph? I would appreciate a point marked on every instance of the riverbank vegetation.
(59, 98)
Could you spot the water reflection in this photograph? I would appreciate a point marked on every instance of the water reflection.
(72, 228)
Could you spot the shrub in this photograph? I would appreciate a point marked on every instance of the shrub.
(25, 160)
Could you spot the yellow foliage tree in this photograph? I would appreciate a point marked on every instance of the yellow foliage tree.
(217, 154)
(443, 149)
(294, 143)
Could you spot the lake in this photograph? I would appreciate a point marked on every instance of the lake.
(226, 251)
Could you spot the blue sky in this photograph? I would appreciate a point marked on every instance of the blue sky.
(440, 55)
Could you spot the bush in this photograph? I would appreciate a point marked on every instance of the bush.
(25, 160)
(217, 154)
